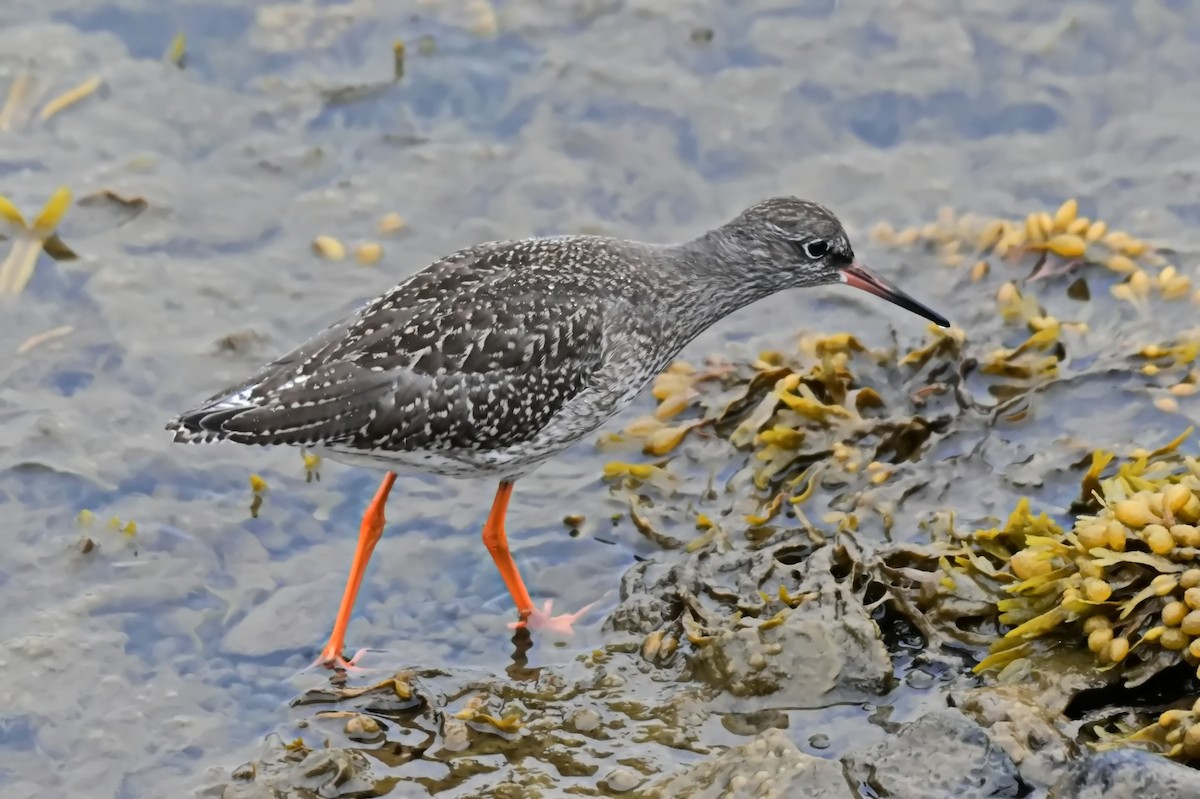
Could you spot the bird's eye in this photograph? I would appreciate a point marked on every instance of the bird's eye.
(816, 249)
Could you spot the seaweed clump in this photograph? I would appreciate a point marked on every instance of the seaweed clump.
(1121, 576)
(830, 414)
(1059, 243)
(1124, 581)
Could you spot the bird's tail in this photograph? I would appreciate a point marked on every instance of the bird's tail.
(335, 401)
(206, 422)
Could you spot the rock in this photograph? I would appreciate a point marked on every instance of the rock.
(942, 755)
(1127, 774)
(767, 767)
(826, 649)
(754, 722)
(301, 775)
(586, 719)
(622, 780)
(818, 655)
(1023, 727)
(363, 729)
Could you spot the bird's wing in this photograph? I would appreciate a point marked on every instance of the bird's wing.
(469, 353)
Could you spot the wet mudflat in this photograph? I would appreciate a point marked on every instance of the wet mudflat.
(741, 639)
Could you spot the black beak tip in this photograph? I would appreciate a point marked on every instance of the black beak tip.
(858, 276)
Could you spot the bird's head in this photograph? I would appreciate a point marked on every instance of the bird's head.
(789, 243)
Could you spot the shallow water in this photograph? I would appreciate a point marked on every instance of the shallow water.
(153, 665)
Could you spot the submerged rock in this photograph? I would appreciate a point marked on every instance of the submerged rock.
(942, 755)
(1127, 774)
(293, 771)
(768, 767)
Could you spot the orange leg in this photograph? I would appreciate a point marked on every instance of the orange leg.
(368, 536)
(497, 543)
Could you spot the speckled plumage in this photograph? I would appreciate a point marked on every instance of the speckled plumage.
(501, 355)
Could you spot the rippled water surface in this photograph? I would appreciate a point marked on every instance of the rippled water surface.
(159, 661)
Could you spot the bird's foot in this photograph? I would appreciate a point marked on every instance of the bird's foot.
(542, 620)
(331, 658)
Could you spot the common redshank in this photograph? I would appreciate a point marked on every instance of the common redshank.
(501, 355)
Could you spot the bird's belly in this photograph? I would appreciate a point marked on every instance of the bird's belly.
(446, 463)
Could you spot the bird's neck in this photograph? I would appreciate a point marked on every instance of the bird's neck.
(706, 279)
(731, 268)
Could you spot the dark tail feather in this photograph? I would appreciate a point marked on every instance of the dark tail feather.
(330, 404)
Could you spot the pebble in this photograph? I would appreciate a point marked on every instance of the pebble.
(585, 719)
(621, 780)
(919, 679)
(362, 728)
(455, 736)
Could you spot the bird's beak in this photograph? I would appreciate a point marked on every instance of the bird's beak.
(860, 277)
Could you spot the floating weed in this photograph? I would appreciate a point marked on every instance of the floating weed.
(42, 338)
(391, 223)
(329, 248)
(659, 647)
(258, 487)
(1167, 404)
(297, 746)
(1172, 285)
(644, 526)
(70, 97)
(368, 253)
(1057, 243)
(1036, 359)
(1175, 733)
(22, 96)
(176, 52)
(16, 103)
(947, 342)
(127, 528)
(398, 51)
(483, 20)
(28, 240)
(771, 511)
(475, 715)
(638, 471)
(1181, 353)
(665, 439)
(312, 466)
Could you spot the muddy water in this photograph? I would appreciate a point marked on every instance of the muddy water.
(160, 660)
